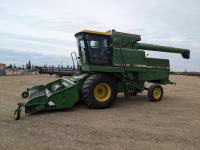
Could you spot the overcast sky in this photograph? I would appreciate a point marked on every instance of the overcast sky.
(46, 27)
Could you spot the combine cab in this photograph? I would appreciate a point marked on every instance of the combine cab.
(109, 62)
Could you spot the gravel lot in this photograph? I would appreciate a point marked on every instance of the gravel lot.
(134, 123)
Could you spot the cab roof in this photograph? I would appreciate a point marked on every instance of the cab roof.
(94, 32)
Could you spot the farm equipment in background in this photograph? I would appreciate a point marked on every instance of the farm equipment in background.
(62, 71)
(57, 71)
(109, 62)
(197, 74)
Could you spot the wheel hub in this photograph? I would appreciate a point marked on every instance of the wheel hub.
(156, 93)
(102, 92)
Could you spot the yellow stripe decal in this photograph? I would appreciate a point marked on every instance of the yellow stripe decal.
(139, 65)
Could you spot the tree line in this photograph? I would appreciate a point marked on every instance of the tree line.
(30, 66)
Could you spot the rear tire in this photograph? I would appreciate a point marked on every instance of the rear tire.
(155, 93)
(99, 91)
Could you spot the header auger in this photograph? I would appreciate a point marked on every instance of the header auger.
(109, 62)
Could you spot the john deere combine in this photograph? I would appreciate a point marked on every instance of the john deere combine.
(109, 62)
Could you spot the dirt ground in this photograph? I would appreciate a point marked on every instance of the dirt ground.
(134, 123)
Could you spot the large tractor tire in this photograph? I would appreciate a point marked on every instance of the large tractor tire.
(99, 91)
(155, 93)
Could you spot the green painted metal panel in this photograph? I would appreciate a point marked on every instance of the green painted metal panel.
(96, 68)
(65, 98)
(133, 56)
(154, 75)
(117, 56)
(157, 62)
(124, 40)
(127, 56)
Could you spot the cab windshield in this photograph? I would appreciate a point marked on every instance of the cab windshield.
(99, 49)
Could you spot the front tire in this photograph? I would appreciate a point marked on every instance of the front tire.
(99, 91)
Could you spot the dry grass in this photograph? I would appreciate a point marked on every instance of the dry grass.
(135, 123)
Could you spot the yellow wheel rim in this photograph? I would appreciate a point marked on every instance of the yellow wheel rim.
(157, 93)
(102, 92)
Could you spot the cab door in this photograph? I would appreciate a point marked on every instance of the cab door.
(100, 50)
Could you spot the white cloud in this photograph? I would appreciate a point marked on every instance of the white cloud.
(48, 26)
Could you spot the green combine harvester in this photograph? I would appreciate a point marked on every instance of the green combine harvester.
(109, 62)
